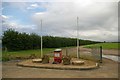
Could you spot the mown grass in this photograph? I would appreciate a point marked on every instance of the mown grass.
(104, 45)
(24, 53)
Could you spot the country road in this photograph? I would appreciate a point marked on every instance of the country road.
(108, 69)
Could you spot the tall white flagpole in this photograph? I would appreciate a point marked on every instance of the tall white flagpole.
(41, 41)
(78, 56)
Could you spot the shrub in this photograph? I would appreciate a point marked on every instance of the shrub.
(66, 60)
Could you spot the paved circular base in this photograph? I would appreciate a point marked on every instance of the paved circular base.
(87, 65)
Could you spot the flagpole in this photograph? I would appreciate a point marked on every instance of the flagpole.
(41, 41)
(78, 56)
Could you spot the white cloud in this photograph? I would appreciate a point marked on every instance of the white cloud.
(4, 17)
(57, 0)
(95, 19)
(19, 27)
(33, 6)
(6, 24)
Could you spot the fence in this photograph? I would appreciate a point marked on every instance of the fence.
(94, 53)
(97, 53)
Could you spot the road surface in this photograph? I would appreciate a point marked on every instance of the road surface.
(108, 69)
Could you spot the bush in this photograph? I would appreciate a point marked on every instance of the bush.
(32, 56)
(66, 60)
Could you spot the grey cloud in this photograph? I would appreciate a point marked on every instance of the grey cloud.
(97, 20)
(60, 18)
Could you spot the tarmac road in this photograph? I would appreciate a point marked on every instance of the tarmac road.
(108, 69)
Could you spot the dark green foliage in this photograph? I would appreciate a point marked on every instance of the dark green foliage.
(13, 41)
(54, 42)
(6, 58)
(10, 39)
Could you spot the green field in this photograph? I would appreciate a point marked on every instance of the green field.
(24, 53)
(104, 45)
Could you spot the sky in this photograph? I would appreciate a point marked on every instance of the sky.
(98, 20)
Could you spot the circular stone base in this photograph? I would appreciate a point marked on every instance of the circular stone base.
(88, 65)
(36, 60)
(77, 62)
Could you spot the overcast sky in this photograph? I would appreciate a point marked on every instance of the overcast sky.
(97, 20)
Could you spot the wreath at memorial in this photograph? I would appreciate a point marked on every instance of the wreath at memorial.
(66, 60)
(45, 59)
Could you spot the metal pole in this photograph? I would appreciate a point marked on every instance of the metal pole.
(78, 56)
(41, 41)
(100, 54)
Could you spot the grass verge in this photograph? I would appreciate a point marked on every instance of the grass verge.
(23, 54)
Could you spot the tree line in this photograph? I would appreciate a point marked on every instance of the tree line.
(13, 40)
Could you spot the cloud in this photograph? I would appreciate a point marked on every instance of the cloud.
(33, 6)
(4, 17)
(19, 5)
(58, 0)
(18, 27)
(37, 7)
(6, 24)
(97, 20)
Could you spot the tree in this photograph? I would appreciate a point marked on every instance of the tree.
(13, 40)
